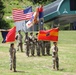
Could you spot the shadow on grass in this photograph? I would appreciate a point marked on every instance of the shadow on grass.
(21, 72)
(61, 69)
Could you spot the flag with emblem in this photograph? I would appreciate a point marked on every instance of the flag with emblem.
(48, 35)
(30, 22)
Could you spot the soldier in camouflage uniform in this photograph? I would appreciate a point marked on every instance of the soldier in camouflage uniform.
(32, 43)
(47, 46)
(55, 56)
(27, 43)
(19, 41)
(37, 43)
(12, 51)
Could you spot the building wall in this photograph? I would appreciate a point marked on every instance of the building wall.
(65, 8)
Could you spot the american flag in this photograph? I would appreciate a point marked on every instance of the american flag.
(19, 15)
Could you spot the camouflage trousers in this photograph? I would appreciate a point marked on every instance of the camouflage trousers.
(55, 63)
(21, 47)
(47, 50)
(27, 49)
(12, 63)
(38, 50)
(32, 48)
(43, 50)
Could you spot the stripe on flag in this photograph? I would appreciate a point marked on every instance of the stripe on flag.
(19, 14)
(48, 35)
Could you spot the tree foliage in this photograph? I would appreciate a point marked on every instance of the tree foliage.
(3, 23)
(42, 1)
(6, 7)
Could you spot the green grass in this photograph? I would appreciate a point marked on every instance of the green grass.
(43, 65)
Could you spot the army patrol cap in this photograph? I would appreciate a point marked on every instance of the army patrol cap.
(26, 32)
(36, 33)
(11, 44)
(31, 33)
(19, 31)
(54, 42)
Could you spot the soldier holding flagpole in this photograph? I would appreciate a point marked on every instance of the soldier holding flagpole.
(55, 57)
(12, 52)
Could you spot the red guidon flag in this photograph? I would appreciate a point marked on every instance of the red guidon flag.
(10, 37)
(48, 35)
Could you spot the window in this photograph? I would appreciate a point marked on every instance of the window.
(73, 5)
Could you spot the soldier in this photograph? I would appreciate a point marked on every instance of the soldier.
(12, 51)
(55, 56)
(26, 41)
(32, 43)
(19, 41)
(47, 46)
(37, 43)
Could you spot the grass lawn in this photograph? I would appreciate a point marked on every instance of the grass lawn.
(43, 65)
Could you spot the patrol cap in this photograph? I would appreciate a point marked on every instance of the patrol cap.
(31, 33)
(26, 32)
(19, 30)
(54, 42)
(36, 33)
(11, 44)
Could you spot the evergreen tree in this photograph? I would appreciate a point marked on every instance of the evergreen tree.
(42, 1)
(3, 23)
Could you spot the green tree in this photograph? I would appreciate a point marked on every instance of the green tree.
(3, 23)
(42, 1)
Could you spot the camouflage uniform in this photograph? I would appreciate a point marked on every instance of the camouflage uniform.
(37, 43)
(32, 44)
(27, 44)
(55, 57)
(43, 48)
(47, 46)
(38, 48)
(12, 58)
(19, 41)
